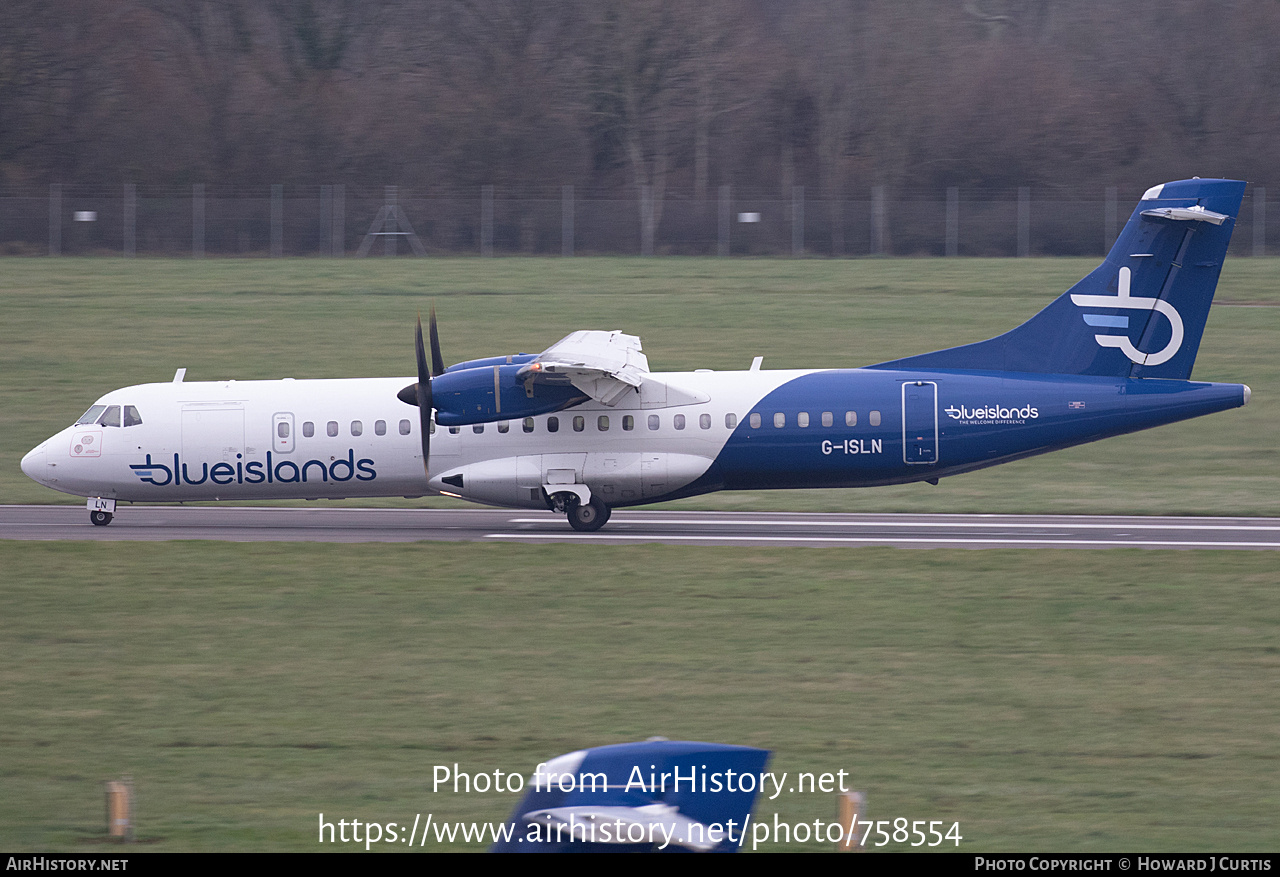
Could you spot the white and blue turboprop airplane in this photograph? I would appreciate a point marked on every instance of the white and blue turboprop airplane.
(584, 426)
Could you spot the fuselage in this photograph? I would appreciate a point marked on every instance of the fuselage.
(680, 434)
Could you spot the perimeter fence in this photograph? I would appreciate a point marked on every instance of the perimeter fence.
(338, 221)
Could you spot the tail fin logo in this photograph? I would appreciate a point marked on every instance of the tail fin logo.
(1123, 301)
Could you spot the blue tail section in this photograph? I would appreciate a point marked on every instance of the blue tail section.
(1140, 313)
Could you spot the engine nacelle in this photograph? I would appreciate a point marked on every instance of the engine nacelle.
(490, 361)
(493, 392)
(618, 479)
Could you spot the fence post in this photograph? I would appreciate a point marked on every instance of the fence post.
(835, 213)
(326, 218)
(647, 230)
(797, 221)
(338, 220)
(953, 221)
(1024, 221)
(277, 220)
(55, 219)
(722, 246)
(389, 235)
(1260, 221)
(129, 219)
(197, 221)
(486, 221)
(877, 220)
(566, 220)
(1109, 220)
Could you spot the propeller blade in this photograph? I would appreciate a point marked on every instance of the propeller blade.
(437, 361)
(423, 395)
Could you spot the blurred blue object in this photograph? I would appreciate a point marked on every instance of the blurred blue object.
(656, 796)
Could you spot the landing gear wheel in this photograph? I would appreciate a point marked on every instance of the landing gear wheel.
(590, 517)
(100, 519)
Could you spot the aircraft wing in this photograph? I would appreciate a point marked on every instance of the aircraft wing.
(604, 365)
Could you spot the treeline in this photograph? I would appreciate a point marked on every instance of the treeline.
(649, 98)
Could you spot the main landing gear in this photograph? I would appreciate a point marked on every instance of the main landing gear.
(588, 517)
(585, 517)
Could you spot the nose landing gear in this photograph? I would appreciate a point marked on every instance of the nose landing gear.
(101, 510)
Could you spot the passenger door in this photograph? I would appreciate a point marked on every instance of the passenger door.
(920, 422)
(212, 432)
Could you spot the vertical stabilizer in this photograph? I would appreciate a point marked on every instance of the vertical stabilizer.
(1141, 313)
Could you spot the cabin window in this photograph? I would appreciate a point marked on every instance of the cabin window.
(131, 416)
(308, 428)
(527, 426)
(504, 426)
(111, 417)
(755, 419)
(379, 427)
(654, 421)
(477, 428)
(802, 419)
(553, 424)
(730, 421)
(92, 415)
(454, 430)
(431, 426)
(704, 421)
(628, 422)
(679, 419)
(357, 428)
(404, 427)
(282, 429)
(331, 428)
(875, 418)
(579, 423)
(827, 419)
(851, 418)
(779, 420)
(602, 423)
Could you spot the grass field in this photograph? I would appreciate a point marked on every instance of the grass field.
(75, 328)
(1046, 700)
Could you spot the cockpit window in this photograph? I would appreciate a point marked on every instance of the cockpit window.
(131, 416)
(92, 415)
(111, 418)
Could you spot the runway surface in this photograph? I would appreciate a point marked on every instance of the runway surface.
(246, 524)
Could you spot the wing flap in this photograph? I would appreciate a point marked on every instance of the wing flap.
(604, 365)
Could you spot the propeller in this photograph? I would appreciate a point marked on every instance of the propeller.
(437, 361)
(420, 393)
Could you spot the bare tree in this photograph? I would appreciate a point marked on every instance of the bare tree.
(652, 97)
(504, 92)
(723, 53)
(642, 82)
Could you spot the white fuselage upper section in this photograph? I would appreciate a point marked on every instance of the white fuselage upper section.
(288, 439)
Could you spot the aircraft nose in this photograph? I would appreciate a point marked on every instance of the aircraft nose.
(33, 464)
